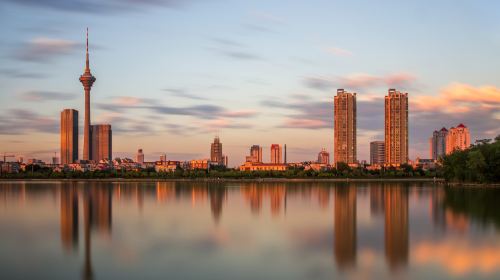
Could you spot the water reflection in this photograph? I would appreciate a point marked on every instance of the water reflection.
(353, 235)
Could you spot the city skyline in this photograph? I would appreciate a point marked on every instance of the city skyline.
(239, 95)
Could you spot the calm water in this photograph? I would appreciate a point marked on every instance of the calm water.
(247, 231)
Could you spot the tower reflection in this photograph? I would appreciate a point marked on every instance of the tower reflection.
(345, 226)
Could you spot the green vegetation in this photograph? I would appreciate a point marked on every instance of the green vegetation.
(343, 171)
(479, 164)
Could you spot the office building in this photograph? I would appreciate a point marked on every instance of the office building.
(458, 138)
(255, 154)
(377, 152)
(276, 154)
(324, 157)
(101, 142)
(216, 152)
(438, 143)
(396, 128)
(69, 136)
(344, 118)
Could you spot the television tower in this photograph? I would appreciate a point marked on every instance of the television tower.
(87, 81)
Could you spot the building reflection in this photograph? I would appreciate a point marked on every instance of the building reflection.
(345, 226)
(217, 197)
(69, 217)
(396, 226)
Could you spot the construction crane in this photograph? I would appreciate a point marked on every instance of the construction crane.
(5, 156)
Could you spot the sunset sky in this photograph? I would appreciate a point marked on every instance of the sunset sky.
(173, 73)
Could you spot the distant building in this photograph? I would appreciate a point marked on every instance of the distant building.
(101, 142)
(276, 154)
(344, 118)
(69, 136)
(163, 158)
(216, 151)
(377, 153)
(139, 157)
(324, 157)
(255, 154)
(258, 166)
(458, 138)
(396, 128)
(437, 143)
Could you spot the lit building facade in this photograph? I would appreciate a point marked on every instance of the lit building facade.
(259, 166)
(69, 136)
(139, 157)
(344, 118)
(276, 154)
(396, 128)
(458, 138)
(216, 151)
(255, 153)
(324, 157)
(377, 153)
(437, 143)
(102, 147)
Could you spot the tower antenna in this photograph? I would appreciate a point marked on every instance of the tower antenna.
(87, 66)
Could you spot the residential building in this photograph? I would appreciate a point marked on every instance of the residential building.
(69, 136)
(255, 154)
(458, 138)
(216, 152)
(377, 152)
(396, 128)
(324, 157)
(438, 143)
(344, 118)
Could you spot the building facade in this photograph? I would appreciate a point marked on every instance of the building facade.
(276, 154)
(324, 157)
(437, 143)
(344, 118)
(458, 138)
(139, 157)
(396, 128)
(255, 153)
(102, 147)
(69, 136)
(377, 153)
(216, 151)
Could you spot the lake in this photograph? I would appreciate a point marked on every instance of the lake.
(202, 230)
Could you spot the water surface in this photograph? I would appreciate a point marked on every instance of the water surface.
(183, 230)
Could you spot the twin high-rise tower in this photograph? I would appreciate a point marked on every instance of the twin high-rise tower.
(97, 139)
(396, 128)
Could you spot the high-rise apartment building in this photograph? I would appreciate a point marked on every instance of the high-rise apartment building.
(324, 157)
(139, 157)
(101, 142)
(396, 128)
(458, 138)
(437, 143)
(69, 136)
(344, 118)
(276, 154)
(377, 152)
(216, 151)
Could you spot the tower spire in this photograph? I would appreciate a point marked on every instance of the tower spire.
(87, 66)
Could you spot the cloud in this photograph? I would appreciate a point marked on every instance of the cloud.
(99, 6)
(240, 114)
(242, 55)
(360, 81)
(305, 123)
(184, 94)
(14, 73)
(338, 51)
(40, 96)
(308, 114)
(21, 121)
(44, 49)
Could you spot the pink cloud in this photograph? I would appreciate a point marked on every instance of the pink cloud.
(338, 51)
(361, 81)
(240, 114)
(305, 123)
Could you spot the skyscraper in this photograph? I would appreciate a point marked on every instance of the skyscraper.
(216, 151)
(344, 118)
(69, 136)
(139, 158)
(377, 152)
(256, 153)
(87, 81)
(438, 143)
(458, 138)
(396, 128)
(324, 157)
(276, 154)
(101, 142)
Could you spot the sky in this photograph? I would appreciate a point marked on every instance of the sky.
(172, 74)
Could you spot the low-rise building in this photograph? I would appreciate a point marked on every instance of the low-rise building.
(259, 166)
